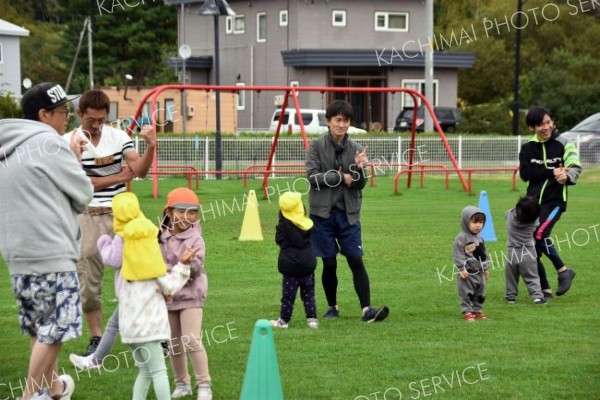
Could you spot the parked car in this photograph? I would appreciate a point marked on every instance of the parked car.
(448, 117)
(314, 121)
(587, 134)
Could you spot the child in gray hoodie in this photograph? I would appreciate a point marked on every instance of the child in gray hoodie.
(472, 260)
(521, 260)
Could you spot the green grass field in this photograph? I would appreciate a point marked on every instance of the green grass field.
(423, 350)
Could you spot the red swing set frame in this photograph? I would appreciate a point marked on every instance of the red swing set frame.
(292, 92)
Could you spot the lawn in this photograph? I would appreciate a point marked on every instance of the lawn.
(424, 349)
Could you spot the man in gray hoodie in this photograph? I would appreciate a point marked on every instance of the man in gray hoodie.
(43, 190)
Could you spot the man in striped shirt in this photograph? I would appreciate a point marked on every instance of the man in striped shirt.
(110, 160)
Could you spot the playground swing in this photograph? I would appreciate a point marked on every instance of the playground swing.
(344, 92)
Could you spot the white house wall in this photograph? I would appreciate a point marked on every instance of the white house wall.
(10, 68)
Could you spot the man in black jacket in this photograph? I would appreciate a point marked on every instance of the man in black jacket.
(549, 163)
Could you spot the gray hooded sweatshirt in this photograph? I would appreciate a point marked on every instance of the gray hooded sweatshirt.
(42, 189)
(518, 233)
(462, 259)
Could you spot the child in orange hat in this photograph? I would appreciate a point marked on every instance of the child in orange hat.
(297, 261)
(180, 229)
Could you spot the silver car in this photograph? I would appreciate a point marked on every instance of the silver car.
(586, 135)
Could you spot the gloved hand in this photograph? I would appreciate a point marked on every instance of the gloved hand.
(479, 252)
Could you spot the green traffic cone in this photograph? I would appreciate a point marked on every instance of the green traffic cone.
(262, 380)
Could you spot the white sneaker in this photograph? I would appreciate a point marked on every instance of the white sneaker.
(84, 363)
(279, 323)
(312, 323)
(68, 387)
(43, 395)
(204, 392)
(182, 389)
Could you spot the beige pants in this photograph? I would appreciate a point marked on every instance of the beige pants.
(90, 267)
(186, 326)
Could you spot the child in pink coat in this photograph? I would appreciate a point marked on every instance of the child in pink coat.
(180, 230)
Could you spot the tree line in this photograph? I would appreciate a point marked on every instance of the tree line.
(558, 67)
(126, 40)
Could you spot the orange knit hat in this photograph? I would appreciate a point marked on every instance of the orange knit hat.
(182, 198)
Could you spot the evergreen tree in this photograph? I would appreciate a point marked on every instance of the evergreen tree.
(126, 40)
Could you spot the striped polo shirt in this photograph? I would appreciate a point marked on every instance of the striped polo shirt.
(104, 160)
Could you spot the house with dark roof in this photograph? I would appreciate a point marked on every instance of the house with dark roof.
(376, 43)
(10, 58)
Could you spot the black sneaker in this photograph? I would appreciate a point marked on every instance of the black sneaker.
(547, 295)
(540, 301)
(94, 342)
(376, 315)
(510, 300)
(564, 281)
(332, 312)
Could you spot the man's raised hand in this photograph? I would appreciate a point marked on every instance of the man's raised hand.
(360, 158)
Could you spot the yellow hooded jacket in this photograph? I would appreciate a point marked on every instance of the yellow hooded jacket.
(142, 259)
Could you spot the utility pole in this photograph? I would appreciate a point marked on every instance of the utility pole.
(429, 64)
(74, 63)
(184, 52)
(516, 105)
(90, 55)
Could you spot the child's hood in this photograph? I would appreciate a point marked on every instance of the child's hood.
(141, 228)
(142, 258)
(290, 204)
(466, 215)
(126, 208)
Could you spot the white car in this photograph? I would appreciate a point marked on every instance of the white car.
(314, 121)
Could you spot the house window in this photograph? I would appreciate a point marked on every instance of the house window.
(419, 86)
(169, 117)
(391, 22)
(113, 111)
(261, 27)
(283, 18)
(169, 110)
(241, 100)
(146, 113)
(338, 18)
(228, 25)
(239, 24)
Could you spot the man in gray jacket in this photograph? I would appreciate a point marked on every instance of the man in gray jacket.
(43, 190)
(334, 168)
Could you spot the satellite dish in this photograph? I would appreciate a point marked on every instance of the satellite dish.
(26, 83)
(185, 51)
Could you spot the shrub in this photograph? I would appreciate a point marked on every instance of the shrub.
(9, 108)
(490, 118)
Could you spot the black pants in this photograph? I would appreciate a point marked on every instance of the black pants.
(549, 216)
(289, 288)
(359, 276)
